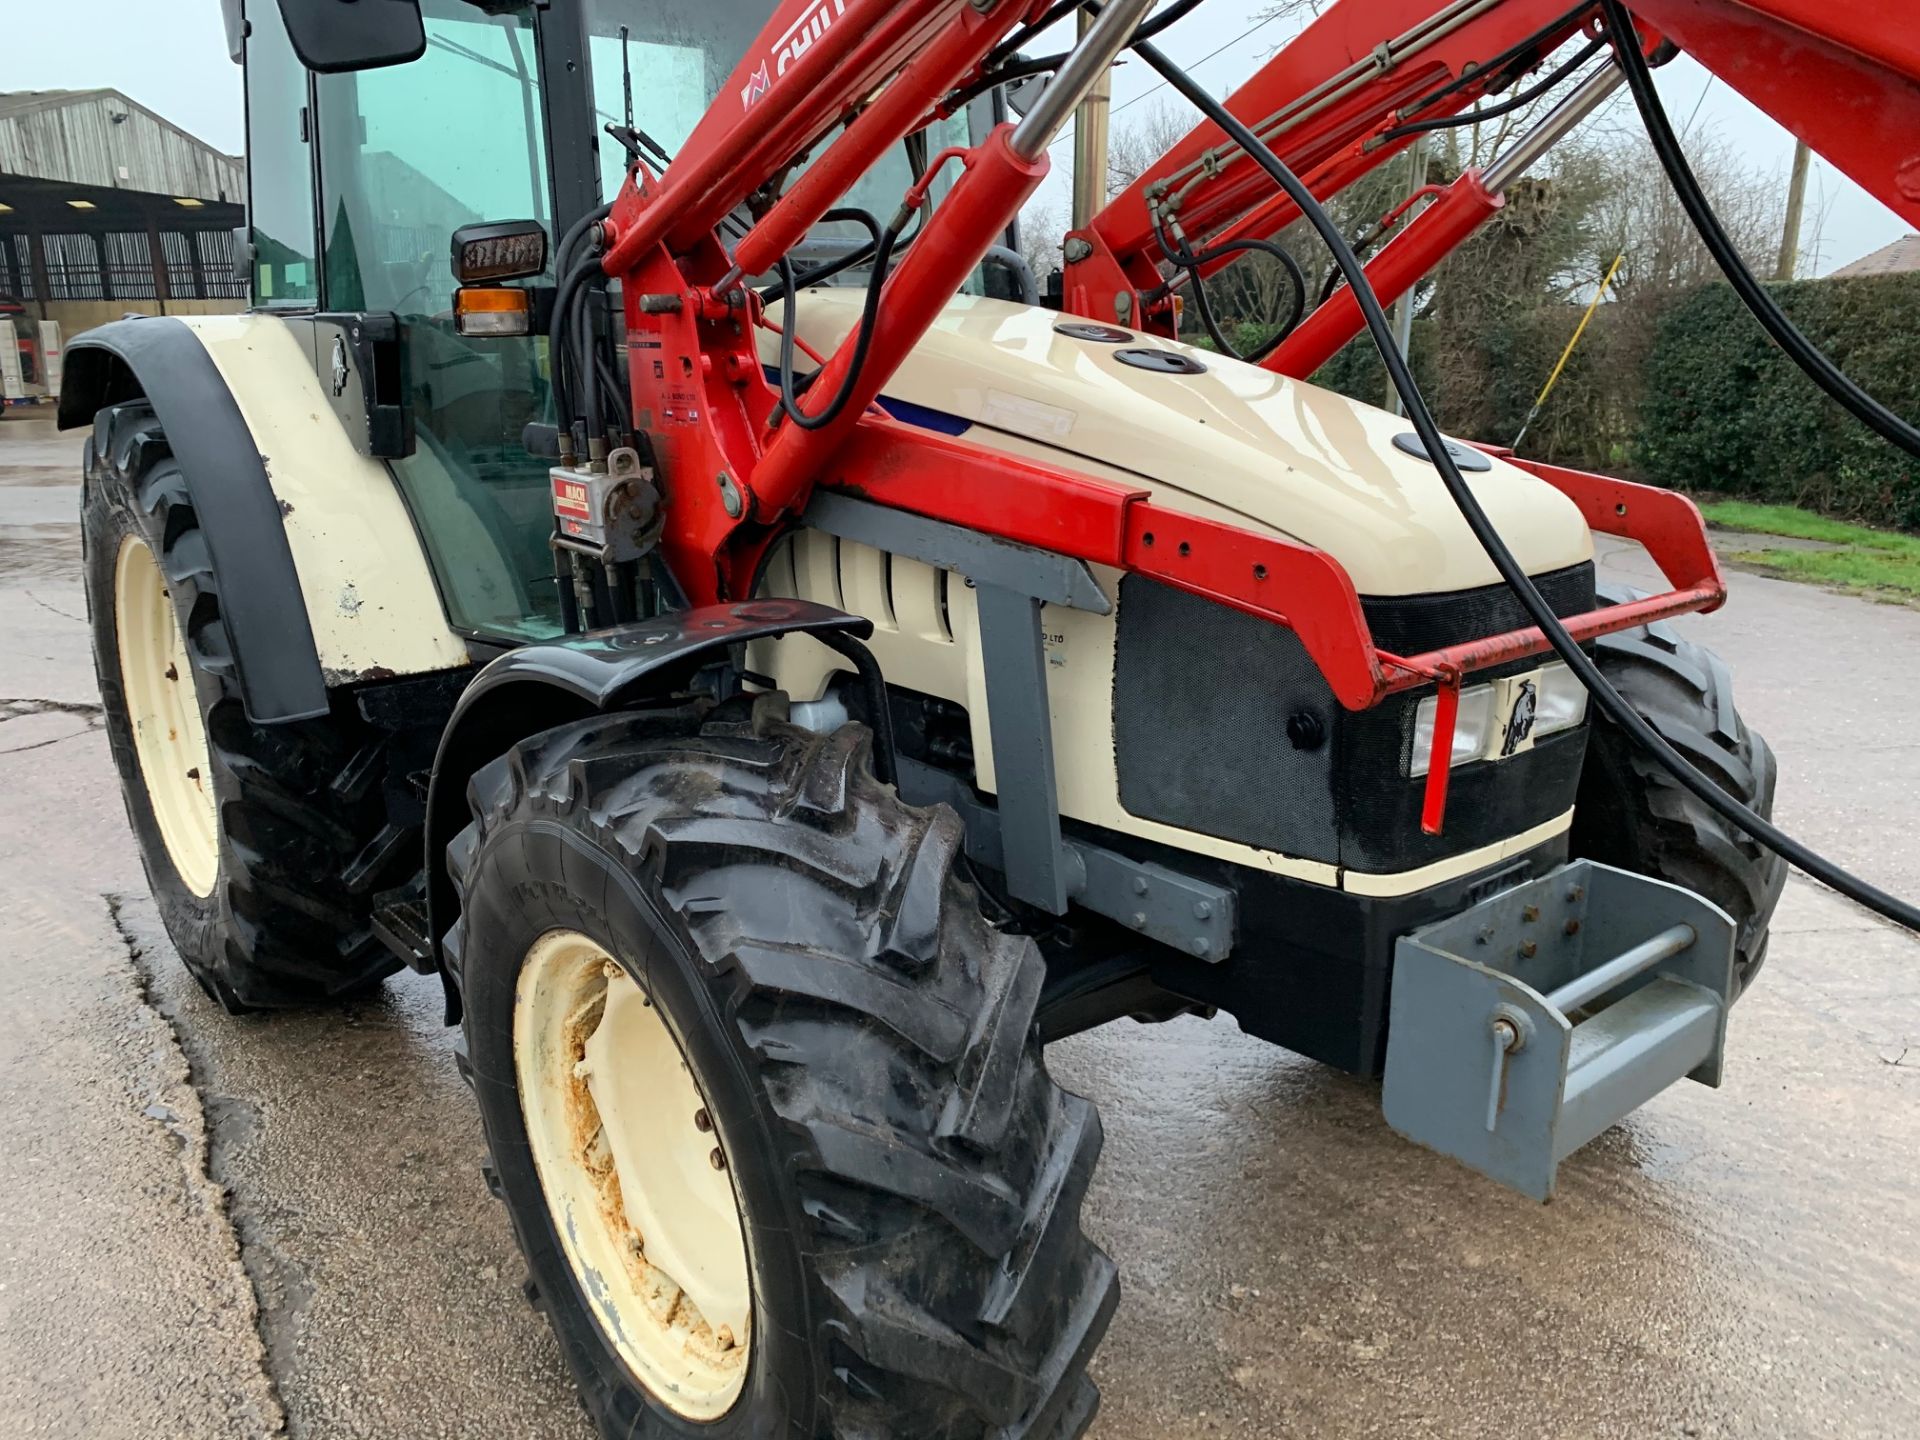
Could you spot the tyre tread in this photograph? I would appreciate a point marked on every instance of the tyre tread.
(939, 1171)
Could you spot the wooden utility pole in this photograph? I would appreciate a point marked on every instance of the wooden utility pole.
(1403, 307)
(1796, 202)
(1090, 145)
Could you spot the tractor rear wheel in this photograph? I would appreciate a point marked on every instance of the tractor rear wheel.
(1631, 813)
(763, 1093)
(251, 836)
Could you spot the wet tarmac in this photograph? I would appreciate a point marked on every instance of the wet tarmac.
(212, 1228)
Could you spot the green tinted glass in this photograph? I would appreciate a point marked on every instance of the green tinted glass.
(279, 167)
(407, 156)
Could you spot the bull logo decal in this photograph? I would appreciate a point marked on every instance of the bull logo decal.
(1526, 706)
(755, 87)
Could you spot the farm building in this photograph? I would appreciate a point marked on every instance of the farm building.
(106, 208)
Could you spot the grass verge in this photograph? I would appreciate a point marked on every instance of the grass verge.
(1877, 562)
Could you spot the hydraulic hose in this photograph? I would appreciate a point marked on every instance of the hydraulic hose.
(1564, 645)
(857, 256)
(869, 320)
(1802, 351)
(1504, 107)
(1003, 65)
(560, 357)
(1191, 261)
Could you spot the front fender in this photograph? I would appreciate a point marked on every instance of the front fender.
(540, 686)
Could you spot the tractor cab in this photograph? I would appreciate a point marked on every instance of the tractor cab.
(360, 174)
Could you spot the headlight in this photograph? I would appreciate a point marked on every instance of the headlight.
(1559, 703)
(1470, 731)
(1563, 701)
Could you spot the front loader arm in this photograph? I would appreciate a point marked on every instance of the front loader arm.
(738, 469)
(1846, 79)
(1323, 103)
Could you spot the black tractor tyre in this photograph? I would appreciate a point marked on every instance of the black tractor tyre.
(909, 1179)
(1631, 813)
(300, 820)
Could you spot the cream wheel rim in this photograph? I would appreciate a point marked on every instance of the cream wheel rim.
(634, 1175)
(169, 735)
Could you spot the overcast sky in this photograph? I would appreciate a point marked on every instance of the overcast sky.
(170, 55)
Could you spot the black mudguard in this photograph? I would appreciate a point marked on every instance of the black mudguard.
(163, 360)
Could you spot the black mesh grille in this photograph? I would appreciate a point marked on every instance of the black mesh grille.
(1408, 624)
(1203, 696)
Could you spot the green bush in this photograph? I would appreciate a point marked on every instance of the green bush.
(1725, 410)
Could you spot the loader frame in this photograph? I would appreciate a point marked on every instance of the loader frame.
(741, 478)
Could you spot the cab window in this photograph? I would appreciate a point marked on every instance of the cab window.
(279, 166)
(408, 155)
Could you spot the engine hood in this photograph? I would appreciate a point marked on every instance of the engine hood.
(1231, 442)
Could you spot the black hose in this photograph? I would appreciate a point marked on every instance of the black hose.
(1577, 660)
(857, 256)
(1505, 107)
(558, 356)
(1191, 261)
(575, 231)
(1802, 351)
(583, 338)
(869, 319)
(1521, 51)
(1010, 46)
(609, 376)
(1002, 68)
(562, 356)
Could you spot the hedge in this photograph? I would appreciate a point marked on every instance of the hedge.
(1725, 410)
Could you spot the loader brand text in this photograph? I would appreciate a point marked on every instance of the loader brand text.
(570, 498)
(799, 36)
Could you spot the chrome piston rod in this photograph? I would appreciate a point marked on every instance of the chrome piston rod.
(1077, 75)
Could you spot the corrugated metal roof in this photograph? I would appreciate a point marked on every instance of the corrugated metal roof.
(1895, 259)
(13, 102)
(100, 137)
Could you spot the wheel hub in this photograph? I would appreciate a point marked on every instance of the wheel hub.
(169, 735)
(635, 1175)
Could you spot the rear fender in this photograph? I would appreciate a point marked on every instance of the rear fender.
(314, 534)
(277, 662)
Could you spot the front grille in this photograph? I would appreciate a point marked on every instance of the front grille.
(1203, 697)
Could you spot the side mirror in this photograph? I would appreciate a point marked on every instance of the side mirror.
(499, 250)
(1022, 93)
(331, 36)
(243, 254)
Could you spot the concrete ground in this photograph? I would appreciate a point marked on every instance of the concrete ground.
(214, 1228)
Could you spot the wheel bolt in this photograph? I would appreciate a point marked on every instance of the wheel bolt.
(719, 1160)
(703, 1122)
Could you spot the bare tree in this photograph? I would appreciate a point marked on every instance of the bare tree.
(1640, 216)
(1040, 233)
(1140, 139)
(1285, 9)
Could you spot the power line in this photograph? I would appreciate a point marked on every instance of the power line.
(1711, 77)
(1068, 135)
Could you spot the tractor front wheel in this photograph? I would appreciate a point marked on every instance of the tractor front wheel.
(763, 1093)
(1630, 812)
